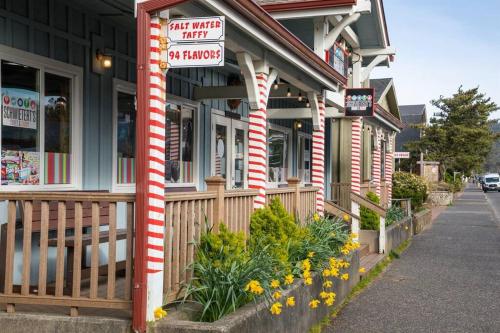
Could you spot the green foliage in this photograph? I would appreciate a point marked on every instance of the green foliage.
(369, 219)
(325, 237)
(459, 136)
(454, 185)
(409, 186)
(220, 289)
(223, 248)
(272, 226)
(394, 214)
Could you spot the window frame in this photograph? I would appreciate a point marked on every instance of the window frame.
(304, 135)
(289, 132)
(130, 88)
(75, 74)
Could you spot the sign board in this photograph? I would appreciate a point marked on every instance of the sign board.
(401, 154)
(359, 102)
(196, 30)
(20, 110)
(195, 55)
(193, 42)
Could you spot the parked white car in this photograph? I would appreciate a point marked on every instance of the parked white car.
(491, 182)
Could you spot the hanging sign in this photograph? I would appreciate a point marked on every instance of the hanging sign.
(19, 110)
(192, 42)
(402, 154)
(359, 102)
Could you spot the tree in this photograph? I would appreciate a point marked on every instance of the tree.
(459, 135)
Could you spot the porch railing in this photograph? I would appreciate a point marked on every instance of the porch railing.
(86, 241)
(341, 195)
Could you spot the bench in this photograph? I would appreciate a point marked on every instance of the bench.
(69, 240)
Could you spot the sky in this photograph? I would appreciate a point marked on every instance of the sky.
(441, 45)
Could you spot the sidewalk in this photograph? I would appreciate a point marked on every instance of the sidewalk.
(447, 281)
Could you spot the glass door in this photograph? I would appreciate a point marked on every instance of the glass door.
(239, 159)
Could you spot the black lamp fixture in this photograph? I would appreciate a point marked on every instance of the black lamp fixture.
(308, 105)
(276, 83)
(105, 60)
(288, 92)
(300, 97)
(298, 124)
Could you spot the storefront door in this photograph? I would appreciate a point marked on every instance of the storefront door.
(230, 150)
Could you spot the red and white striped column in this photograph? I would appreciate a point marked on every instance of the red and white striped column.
(156, 170)
(376, 172)
(257, 143)
(318, 158)
(356, 128)
(389, 168)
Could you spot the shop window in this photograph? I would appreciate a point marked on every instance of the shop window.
(304, 158)
(179, 130)
(125, 134)
(278, 156)
(36, 132)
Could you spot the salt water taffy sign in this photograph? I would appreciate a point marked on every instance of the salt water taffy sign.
(193, 42)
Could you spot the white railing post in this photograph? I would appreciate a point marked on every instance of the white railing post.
(354, 221)
(381, 236)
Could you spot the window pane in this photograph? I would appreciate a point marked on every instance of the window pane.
(57, 129)
(20, 124)
(179, 132)
(126, 138)
(278, 157)
(221, 151)
(305, 159)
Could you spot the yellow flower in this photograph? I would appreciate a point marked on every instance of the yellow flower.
(334, 272)
(314, 304)
(344, 251)
(310, 254)
(333, 262)
(306, 274)
(254, 287)
(345, 277)
(362, 270)
(346, 217)
(327, 284)
(277, 295)
(323, 294)
(326, 273)
(306, 265)
(330, 300)
(290, 301)
(354, 235)
(159, 313)
(275, 284)
(308, 281)
(289, 279)
(276, 308)
(316, 217)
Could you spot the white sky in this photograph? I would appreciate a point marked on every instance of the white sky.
(440, 45)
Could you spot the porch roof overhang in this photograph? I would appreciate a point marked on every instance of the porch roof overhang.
(264, 39)
(387, 119)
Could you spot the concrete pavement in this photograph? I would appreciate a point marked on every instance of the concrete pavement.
(447, 281)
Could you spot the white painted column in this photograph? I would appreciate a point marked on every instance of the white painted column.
(318, 158)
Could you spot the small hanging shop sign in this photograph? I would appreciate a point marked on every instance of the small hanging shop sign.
(401, 154)
(193, 42)
(359, 102)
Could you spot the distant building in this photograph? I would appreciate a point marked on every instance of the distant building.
(413, 117)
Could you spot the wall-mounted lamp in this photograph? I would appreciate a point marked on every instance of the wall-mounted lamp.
(298, 124)
(300, 97)
(276, 83)
(288, 93)
(308, 105)
(105, 59)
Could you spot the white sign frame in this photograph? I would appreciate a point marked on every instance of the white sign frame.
(402, 154)
(217, 34)
(194, 47)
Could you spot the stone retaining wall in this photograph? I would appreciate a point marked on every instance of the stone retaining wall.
(421, 220)
(253, 318)
(440, 198)
(397, 233)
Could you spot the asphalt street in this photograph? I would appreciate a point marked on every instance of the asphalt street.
(447, 281)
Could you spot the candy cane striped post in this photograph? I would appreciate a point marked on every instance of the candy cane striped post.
(156, 174)
(257, 143)
(355, 170)
(318, 158)
(376, 172)
(389, 168)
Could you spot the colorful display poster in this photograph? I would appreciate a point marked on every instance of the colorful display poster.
(20, 167)
(359, 102)
(20, 108)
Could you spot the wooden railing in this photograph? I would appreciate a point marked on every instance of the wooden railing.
(70, 222)
(341, 195)
(307, 200)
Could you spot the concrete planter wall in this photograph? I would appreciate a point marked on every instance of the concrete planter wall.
(421, 220)
(369, 237)
(397, 233)
(440, 198)
(253, 318)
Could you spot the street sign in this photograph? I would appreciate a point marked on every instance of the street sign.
(192, 42)
(195, 55)
(359, 102)
(196, 29)
(401, 154)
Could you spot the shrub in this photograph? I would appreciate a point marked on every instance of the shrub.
(369, 219)
(407, 185)
(273, 227)
(394, 214)
(223, 248)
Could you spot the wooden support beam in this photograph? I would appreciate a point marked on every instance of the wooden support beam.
(362, 201)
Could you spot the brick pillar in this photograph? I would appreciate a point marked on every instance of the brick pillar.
(257, 143)
(318, 158)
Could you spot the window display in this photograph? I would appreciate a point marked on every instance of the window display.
(278, 156)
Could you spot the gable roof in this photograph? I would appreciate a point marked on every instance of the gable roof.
(284, 5)
(384, 88)
(380, 86)
(417, 109)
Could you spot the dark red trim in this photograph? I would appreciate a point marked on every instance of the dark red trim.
(139, 295)
(303, 5)
(388, 116)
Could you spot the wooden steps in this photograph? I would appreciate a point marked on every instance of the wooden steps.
(369, 261)
(364, 250)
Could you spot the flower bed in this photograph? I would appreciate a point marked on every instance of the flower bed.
(284, 268)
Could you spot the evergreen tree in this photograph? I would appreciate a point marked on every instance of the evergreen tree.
(459, 135)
